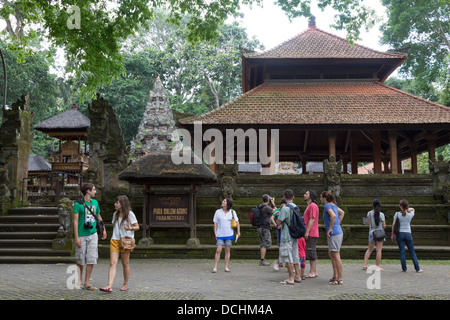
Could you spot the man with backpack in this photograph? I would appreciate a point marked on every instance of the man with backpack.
(261, 219)
(289, 244)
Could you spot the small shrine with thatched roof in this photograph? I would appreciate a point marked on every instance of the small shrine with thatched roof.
(169, 188)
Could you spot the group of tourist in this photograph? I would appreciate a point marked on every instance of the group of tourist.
(292, 252)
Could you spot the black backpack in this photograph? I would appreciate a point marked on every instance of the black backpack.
(297, 227)
(255, 216)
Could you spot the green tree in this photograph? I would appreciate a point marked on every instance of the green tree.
(422, 26)
(92, 31)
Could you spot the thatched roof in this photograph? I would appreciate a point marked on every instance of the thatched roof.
(38, 163)
(158, 167)
(70, 120)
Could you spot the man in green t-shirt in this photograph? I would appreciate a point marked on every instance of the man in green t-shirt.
(85, 231)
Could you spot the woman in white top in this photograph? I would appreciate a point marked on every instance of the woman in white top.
(224, 232)
(376, 222)
(124, 225)
(404, 237)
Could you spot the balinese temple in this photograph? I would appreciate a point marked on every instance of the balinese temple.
(327, 97)
(71, 129)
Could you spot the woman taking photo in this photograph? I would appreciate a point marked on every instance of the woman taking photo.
(224, 232)
(404, 237)
(124, 225)
(377, 224)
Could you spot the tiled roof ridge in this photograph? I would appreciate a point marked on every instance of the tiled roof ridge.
(445, 108)
(256, 55)
(199, 117)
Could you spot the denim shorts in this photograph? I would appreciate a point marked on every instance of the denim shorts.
(224, 242)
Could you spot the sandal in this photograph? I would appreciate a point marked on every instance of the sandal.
(89, 288)
(106, 289)
(337, 282)
(287, 282)
(332, 280)
(124, 288)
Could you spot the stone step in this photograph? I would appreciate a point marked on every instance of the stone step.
(252, 252)
(24, 252)
(33, 219)
(29, 227)
(28, 235)
(33, 211)
(26, 243)
(37, 259)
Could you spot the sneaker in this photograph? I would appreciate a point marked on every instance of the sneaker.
(264, 263)
(275, 266)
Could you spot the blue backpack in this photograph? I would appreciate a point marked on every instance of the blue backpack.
(297, 227)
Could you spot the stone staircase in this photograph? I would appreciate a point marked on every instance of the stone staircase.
(26, 236)
(430, 226)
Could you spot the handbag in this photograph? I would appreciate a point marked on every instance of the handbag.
(396, 230)
(233, 221)
(100, 226)
(127, 243)
(378, 234)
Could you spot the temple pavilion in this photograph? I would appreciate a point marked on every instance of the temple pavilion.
(327, 97)
(71, 129)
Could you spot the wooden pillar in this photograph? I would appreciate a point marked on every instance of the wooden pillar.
(332, 144)
(354, 154)
(376, 149)
(212, 161)
(344, 163)
(386, 165)
(393, 150)
(414, 158)
(431, 139)
(304, 164)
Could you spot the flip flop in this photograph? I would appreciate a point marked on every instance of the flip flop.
(287, 282)
(90, 288)
(310, 277)
(106, 289)
(122, 289)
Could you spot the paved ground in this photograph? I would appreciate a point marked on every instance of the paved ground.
(193, 280)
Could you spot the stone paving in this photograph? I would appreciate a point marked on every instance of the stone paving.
(192, 280)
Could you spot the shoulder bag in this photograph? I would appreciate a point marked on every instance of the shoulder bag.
(126, 243)
(396, 230)
(233, 221)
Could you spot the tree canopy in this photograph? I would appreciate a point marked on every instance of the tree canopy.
(92, 31)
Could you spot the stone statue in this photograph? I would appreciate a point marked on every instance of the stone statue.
(228, 172)
(4, 182)
(65, 217)
(332, 176)
(64, 237)
(439, 170)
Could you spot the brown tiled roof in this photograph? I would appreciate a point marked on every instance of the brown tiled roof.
(283, 102)
(317, 44)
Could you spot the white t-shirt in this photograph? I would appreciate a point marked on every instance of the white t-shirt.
(224, 222)
(119, 228)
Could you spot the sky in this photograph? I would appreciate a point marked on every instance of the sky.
(271, 26)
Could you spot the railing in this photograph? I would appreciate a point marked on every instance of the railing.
(45, 189)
